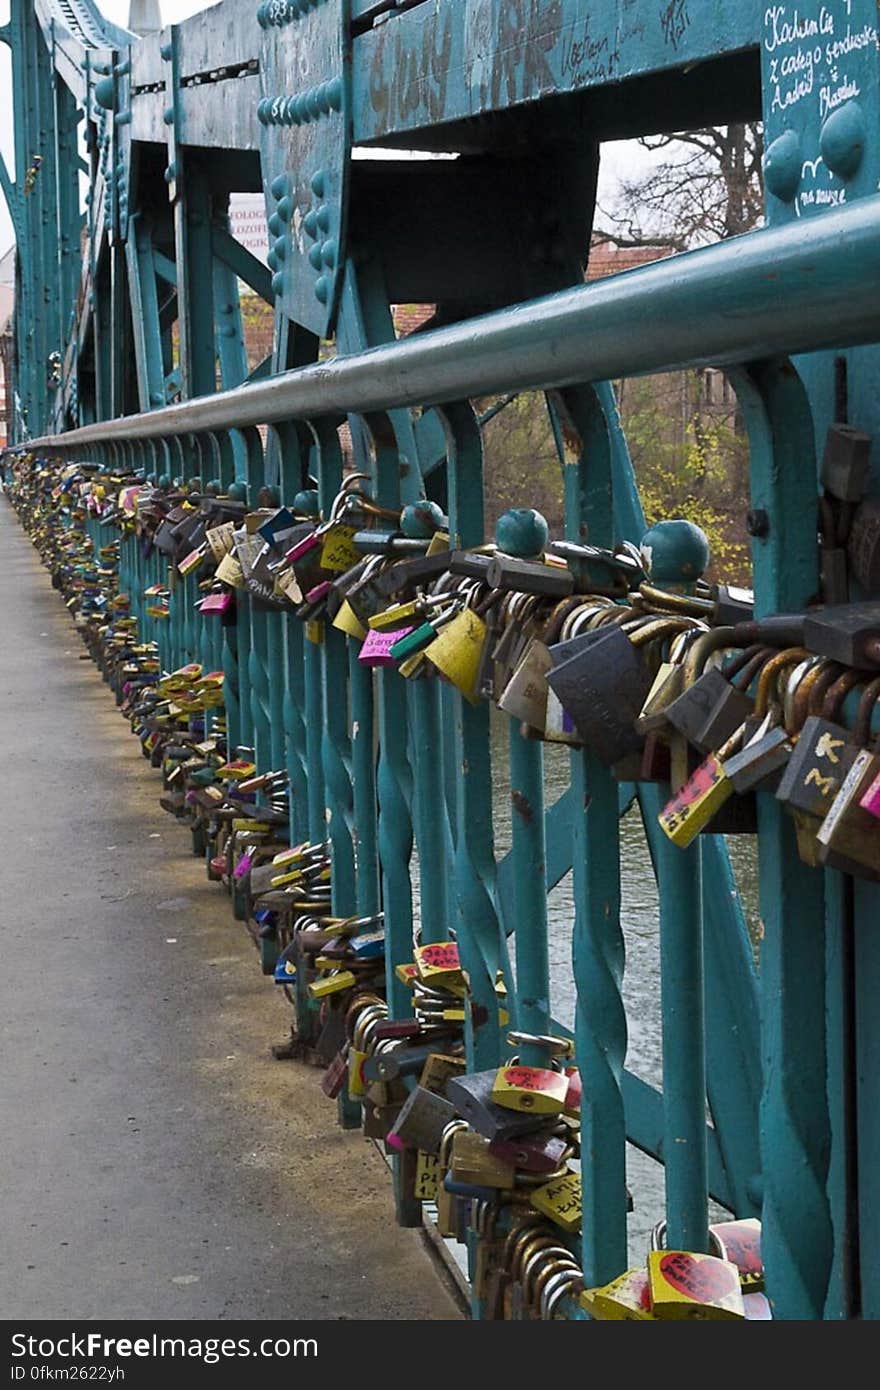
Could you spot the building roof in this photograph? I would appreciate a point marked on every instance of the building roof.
(7, 266)
(607, 258)
(7, 304)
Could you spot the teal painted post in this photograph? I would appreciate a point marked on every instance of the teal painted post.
(531, 1009)
(394, 787)
(290, 457)
(236, 690)
(685, 1153)
(145, 314)
(591, 484)
(335, 743)
(394, 774)
(431, 831)
(797, 1237)
(253, 633)
(732, 1021)
(478, 930)
(363, 780)
(231, 350)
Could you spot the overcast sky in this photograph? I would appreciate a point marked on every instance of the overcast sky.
(615, 158)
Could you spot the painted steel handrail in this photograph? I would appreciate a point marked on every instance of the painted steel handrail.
(800, 288)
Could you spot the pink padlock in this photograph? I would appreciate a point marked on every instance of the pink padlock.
(318, 592)
(243, 867)
(377, 646)
(302, 547)
(215, 603)
(871, 800)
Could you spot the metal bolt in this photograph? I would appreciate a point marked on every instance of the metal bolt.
(758, 523)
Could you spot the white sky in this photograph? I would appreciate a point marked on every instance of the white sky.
(616, 159)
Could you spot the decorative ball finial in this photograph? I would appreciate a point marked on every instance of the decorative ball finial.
(419, 520)
(675, 553)
(305, 503)
(522, 532)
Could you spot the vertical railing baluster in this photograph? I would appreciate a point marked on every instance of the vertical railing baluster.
(253, 622)
(797, 1236)
(335, 747)
(597, 939)
(481, 940)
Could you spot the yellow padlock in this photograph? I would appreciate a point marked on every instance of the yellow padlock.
(685, 1284)
(698, 801)
(439, 963)
(237, 771)
(395, 616)
(407, 974)
(456, 651)
(438, 542)
(429, 1176)
(347, 621)
(331, 984)
(338, 552)
(357, 1085)
(626, 1299)
(560, 1199)
(411, 665)
(536, 1090)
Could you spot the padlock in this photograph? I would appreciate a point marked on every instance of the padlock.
(422, 1120)
(336, 1075)
(740, 1243)
(438, 1069)
(847, 828)
(456, 652)
(332, 984)
(848, 633)
(759, 762)
(439, 964)
(692, 1285)
(525, 695)
(863, 546)
(532, 1153)
(472, 1163)
(429, 1177)
(626, 1299)
(845, 462)
(533, 1090)
(447, 1205)
(560, 1200)
(822, 757)
(356, 1083)
(709, 711)
(700, 798)
(507, 574)
(472, 1097)
(376, 649)
(604, 687)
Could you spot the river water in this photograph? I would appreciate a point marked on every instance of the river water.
(641, 987)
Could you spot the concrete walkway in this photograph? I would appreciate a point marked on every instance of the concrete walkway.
(155, 1161)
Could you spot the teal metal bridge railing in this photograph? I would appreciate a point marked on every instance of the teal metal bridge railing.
(783, 1060)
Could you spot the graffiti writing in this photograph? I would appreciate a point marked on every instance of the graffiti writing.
(674, 21)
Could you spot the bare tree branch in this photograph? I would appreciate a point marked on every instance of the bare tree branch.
(707, 189)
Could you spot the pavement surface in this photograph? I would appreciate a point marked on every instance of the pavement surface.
(155, 1160)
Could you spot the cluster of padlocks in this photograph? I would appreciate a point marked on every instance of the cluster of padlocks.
(628, 653)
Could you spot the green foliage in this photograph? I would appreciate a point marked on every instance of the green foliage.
(690, 459)
(521, 464)
(689, 454)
